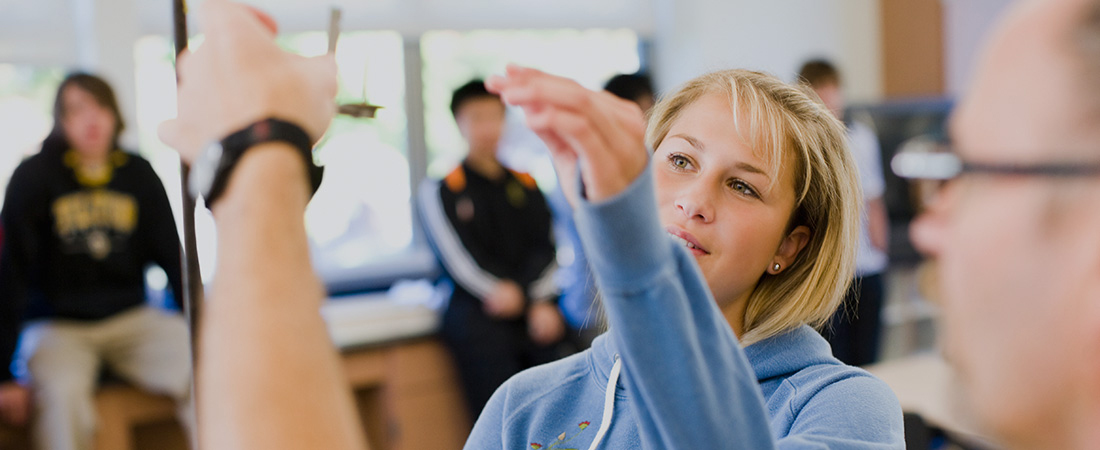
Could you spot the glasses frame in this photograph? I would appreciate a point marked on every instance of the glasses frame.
(945, 164)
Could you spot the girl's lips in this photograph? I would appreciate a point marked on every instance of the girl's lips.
(688, 240)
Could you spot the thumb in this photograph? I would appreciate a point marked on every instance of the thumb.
(171, 133)
(322, 71)
(319, 75)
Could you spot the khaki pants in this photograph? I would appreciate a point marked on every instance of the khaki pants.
(145, 346)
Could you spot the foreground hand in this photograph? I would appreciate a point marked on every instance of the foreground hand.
(240, 75)
(603, 133)
(506, 301)
(15, 403)
(545, 324)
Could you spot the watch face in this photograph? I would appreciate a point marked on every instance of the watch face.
(205, 168)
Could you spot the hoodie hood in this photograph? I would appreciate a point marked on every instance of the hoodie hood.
(779, 356)
(602, 358)
(785, 354)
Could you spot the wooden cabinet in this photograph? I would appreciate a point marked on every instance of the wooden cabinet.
(409, 396)
(407, 392)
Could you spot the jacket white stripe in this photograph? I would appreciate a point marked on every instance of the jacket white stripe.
(545, 286)
(459, 263)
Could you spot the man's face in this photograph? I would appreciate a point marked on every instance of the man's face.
(1018, 258)
(481, 123)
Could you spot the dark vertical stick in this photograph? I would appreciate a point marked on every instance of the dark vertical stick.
(192, 278)
(333, 29)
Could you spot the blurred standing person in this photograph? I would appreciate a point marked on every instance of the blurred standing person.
(491, 229)
(854, 331)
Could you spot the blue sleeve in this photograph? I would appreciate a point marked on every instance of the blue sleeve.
(578, 291)
(24, 218)
(691, 385)
(161, 235)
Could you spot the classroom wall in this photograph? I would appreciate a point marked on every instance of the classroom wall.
(413, 17)
(691, 36)
(966, 24)
(688, 37)
(91, 35)
(32, 32)
(695, 36)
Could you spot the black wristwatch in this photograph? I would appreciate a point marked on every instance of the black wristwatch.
(210, 172)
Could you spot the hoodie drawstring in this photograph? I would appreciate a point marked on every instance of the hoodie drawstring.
(608, 403)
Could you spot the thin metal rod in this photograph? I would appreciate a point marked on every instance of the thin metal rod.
(192, 277)
(333, 29)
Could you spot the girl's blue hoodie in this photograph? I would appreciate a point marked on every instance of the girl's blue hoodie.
(670, 374)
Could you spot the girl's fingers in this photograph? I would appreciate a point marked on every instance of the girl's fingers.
(514, 75)
(575, 131)
(496, 84)
(607, 167)
(546, 89)
(560, 94)
(626, 123)
(603, 133)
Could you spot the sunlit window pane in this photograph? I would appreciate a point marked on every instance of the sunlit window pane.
(362, 212)
(26, 113)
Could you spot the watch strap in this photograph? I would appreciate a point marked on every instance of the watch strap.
(236, 144)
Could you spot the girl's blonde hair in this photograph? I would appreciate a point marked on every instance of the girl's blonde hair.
(790, 129)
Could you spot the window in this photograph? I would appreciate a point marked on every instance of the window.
(26, 113)
(360, 222)
(452, 58)
(362, 212)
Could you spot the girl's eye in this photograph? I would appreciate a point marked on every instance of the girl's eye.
(743, 188)
(678, 162)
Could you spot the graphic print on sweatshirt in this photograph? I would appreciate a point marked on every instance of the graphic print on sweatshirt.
(96, 222)
(562, 439)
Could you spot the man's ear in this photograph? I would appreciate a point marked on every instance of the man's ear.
(789, 249)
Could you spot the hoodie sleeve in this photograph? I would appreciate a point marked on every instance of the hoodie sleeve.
(691, 384)
(163, 237)
(24, 217)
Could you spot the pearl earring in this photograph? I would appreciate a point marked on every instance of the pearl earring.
(776, 267)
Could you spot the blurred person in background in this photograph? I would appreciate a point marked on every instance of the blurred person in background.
(636, 87)
(490, 227)
(1013, 229)
(854, 331)
(83, 219)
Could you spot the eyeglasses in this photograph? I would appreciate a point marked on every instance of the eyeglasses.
(930, 161)
(935, 163)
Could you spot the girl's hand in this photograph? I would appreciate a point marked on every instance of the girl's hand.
(601, 134)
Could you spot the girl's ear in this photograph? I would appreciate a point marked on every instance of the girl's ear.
(789, 249)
